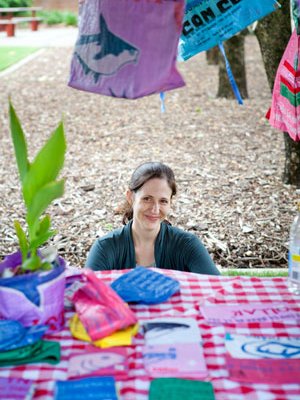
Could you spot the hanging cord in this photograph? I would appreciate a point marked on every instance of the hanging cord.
(251, 28)
(230, 76)
(162, 101)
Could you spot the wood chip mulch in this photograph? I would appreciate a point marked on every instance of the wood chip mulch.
(227, 159)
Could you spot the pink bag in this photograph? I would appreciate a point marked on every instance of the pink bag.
(127, 48)
(100, 309)
(285, 108)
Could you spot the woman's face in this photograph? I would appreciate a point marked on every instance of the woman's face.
(151, 204)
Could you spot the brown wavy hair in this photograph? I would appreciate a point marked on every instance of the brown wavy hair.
(142, 174)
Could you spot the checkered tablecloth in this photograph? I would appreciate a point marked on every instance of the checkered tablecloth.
(194, 290)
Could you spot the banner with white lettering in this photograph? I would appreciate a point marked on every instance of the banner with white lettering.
(207, 23)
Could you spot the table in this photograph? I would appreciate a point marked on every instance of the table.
(194, 290)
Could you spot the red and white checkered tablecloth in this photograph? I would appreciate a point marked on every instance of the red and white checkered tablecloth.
(195, 289)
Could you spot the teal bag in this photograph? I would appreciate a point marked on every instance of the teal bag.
(207, 23)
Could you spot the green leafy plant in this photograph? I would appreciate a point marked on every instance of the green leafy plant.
(15, 3)
(57, 17)
(70, 19)
(52, 17)
(39, 189)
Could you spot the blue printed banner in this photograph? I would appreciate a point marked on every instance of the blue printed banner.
(207, 23)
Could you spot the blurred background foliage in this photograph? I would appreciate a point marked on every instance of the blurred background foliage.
(50, 17)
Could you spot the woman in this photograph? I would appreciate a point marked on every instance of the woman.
(147, 239)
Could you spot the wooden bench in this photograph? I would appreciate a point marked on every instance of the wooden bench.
(9, 21)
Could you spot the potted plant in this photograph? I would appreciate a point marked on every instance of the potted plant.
(32, 280)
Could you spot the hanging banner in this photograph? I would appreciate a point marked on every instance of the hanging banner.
(284, 113)
(127, 48)
(207, 23)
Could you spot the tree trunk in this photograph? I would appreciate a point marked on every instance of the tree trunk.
(291, 173)
(212, 56)
(235, 52)
(273, 33)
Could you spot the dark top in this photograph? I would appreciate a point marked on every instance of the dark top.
(174, 249)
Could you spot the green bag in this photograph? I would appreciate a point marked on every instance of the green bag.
(41, 351)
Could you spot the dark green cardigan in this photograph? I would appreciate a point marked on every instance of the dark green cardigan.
(174, 249)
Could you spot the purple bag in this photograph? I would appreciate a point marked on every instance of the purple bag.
(127, 48)
(33, 298)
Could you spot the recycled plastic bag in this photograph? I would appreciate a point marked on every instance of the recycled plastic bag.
(92, 388)
(14, 335)
(100, 309)
(127, 48)
(207, 23)
(285, 109)
(16, 388)
(178, 389)
(45, 351)
(118, 338)
(98, 362)
(33, 298)
(142, 285)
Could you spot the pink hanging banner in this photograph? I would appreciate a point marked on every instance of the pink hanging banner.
(284, 113)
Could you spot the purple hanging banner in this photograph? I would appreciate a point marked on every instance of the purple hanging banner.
(127, 48)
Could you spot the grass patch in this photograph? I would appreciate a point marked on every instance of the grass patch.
(260, 274)
(11, 55)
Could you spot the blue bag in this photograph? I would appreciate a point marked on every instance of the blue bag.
(142, 285)
(14, 335)
(93, 388)
(207, 23)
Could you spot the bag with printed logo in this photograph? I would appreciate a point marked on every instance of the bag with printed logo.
(207, 23)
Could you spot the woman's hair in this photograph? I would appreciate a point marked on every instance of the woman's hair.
(142, 174)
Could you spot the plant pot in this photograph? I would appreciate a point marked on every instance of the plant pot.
(33, 298)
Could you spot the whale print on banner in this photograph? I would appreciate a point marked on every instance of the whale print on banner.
(127, 48)
(110, 53)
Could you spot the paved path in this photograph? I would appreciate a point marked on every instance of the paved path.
(44, 37)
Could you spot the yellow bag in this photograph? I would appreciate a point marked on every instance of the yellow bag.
(119, 338)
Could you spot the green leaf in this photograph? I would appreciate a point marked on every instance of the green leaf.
(32, 264)
(40, 188)
(42, 234)
(41, 239)
(22, 240)
(46, 266)
(46, 165)
(40, 202)
(19, 143)
(44, 225)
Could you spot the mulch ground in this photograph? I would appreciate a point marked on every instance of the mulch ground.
(227, 159)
